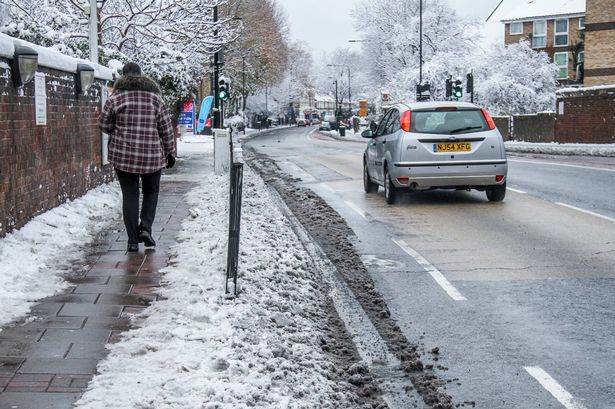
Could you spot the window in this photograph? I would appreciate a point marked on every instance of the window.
(383, 122)
(581, 23)
(516, 28)
(581, 57)
(561, 60)
(449, 122)
(394, 123)
(561, 32)
(539, 35)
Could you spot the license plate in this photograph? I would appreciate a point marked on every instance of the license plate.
(452, 147)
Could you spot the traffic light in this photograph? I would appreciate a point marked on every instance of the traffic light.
(457, 89)
(470, 83)
(449, 88)
(223, 88)
(423, 92)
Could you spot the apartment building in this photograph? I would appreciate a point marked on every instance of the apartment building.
(600, 43)
(556, 27)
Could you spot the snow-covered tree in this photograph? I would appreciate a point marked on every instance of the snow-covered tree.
(391, 32)
(260, 54)
(516, 79)
(170, 39)
(508, 80)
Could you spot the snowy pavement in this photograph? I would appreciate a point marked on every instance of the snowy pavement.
(199, 349)
(196, 348)
(36, 257)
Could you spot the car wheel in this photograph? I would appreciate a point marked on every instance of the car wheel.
(496, 193)
(368, 185)
(390, 191)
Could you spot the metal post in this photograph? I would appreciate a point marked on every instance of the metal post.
(349, 96)
(421, 42)
(234, 226)
(93, 32)
(336, 106)
(243, 95)
(217, 117)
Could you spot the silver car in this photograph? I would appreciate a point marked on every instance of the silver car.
(435, 145)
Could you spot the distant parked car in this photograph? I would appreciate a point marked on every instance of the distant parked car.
(315, 121)
(435, 145)
(301, 122)
(325, 126)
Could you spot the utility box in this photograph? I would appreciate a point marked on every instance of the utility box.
(222, 151)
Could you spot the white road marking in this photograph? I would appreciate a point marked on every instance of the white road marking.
(586, 212)
(296, 171)
(554, 388)
(327, 187)
(434, 272)
(516, 190)
(361, 212)
(561, 164)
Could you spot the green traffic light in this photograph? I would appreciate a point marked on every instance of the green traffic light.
(223, 95)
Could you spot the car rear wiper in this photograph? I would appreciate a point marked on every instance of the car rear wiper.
(465, 129)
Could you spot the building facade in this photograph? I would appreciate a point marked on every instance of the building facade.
(561, 36)
(600, 43)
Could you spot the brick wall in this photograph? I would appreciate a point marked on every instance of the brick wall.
(43, 166)
(527, 128)
(503, 125)
(534, 128)
(588, 116)
(600, 43)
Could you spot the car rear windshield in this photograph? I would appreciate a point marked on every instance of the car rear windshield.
(449, 122)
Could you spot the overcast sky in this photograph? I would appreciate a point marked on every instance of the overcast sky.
(326, 24)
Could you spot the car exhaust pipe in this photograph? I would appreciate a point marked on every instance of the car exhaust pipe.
(414, 186)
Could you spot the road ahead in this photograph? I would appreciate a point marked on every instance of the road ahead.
(517, 295)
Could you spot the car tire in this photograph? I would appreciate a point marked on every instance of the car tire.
(368, 185)
(390, 191)
(496, 193)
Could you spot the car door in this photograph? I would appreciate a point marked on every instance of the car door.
(381, 141)
(372, 150)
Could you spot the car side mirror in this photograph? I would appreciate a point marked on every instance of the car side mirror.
(367, 133)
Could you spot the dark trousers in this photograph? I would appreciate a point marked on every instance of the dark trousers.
(129, 182)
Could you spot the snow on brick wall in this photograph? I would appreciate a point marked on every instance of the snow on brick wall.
(43, 166)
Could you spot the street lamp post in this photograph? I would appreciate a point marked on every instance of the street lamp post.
(421, 42)
(243, 95)
(93, 32)
(336, 111)
(349, 94)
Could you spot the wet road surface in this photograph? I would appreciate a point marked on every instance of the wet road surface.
(518, 296)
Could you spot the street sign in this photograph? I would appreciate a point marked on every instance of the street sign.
(363, 107)
(186, 116)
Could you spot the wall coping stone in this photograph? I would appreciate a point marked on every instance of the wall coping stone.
(50, 58)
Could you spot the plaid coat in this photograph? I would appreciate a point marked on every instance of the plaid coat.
(139, 126)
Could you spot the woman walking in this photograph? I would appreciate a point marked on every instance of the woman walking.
(140, 144)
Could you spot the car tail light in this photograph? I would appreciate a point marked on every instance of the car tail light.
(446, 109)
(499, 178)
(406, 121)
(403, 180)
(488, 118)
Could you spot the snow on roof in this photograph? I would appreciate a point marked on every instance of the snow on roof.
(323, 98)
(50, 58)
(544, 8)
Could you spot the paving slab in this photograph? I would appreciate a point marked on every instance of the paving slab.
(20, 400)
(47, 360)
